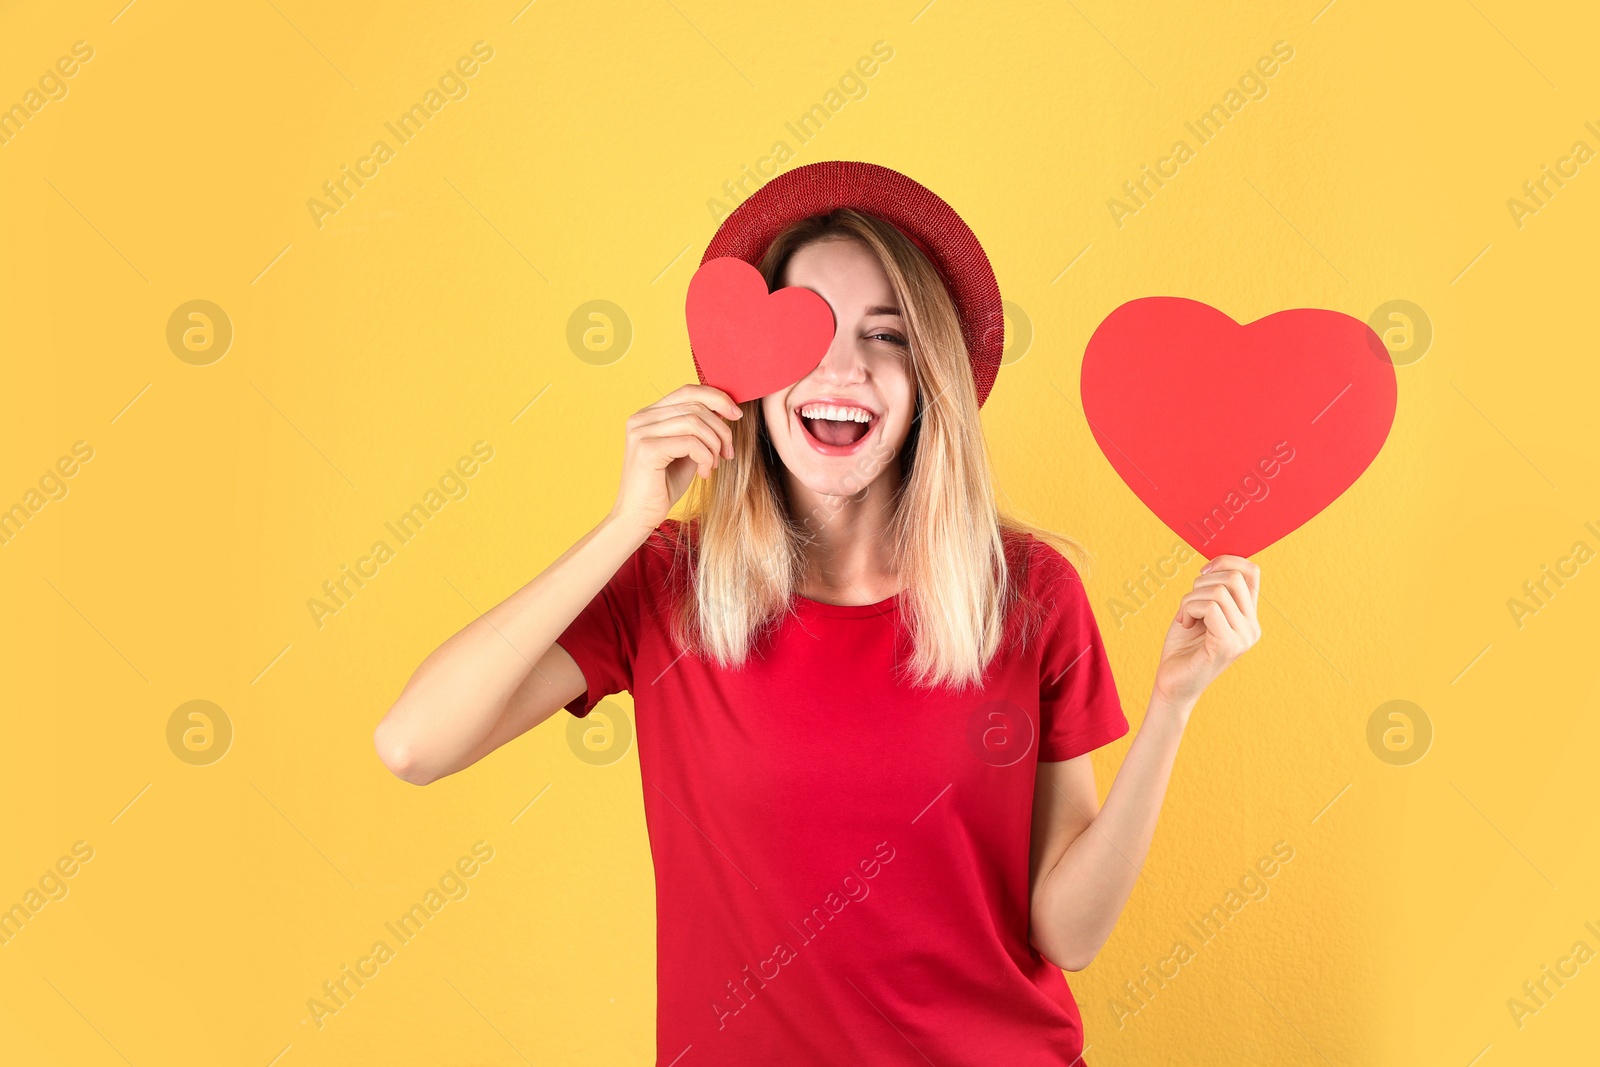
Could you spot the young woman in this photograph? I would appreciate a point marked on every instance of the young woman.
(864, 699)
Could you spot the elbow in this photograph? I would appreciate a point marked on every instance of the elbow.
(400, 756)
(1062, 950)
(1076, 961)
(1067, 957)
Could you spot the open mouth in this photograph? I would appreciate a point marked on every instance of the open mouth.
(834, 428)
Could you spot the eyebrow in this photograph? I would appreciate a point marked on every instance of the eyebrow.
(884, 309)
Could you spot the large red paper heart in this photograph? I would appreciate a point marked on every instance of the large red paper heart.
(1236, 435)
(749, 342)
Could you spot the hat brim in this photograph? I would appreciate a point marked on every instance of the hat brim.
(916, 211)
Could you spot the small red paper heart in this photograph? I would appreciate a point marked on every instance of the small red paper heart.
(1235, 436)
(749, 342)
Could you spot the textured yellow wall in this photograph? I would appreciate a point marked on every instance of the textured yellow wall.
(376, 341)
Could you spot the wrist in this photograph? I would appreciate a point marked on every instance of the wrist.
(1170, 710)
(616, 524)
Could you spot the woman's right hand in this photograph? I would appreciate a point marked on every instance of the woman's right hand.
(684, 433)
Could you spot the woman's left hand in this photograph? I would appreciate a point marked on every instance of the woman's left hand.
(1216, 623)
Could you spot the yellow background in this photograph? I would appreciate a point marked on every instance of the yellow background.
(372, 352)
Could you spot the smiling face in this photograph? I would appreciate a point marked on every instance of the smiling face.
(844, 424)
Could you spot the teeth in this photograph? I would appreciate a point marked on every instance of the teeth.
(835, 413)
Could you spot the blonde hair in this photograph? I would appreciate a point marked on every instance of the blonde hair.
(740, 554)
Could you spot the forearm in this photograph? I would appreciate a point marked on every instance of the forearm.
(1077, 902)
(457, 695)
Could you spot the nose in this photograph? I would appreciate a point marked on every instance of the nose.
(842, 364)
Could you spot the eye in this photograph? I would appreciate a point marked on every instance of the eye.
(893, 338)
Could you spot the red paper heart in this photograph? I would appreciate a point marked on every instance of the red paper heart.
(749, 342)
(1236, 435)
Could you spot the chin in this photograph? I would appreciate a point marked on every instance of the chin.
(834, 484)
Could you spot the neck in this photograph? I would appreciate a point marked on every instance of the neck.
(851, 554)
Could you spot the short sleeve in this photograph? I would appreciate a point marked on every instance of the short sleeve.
(1079, 708)
(604, 637)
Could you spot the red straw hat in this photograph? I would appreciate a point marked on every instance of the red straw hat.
(932, 225)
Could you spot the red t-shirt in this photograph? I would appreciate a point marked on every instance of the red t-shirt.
(841, 861)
